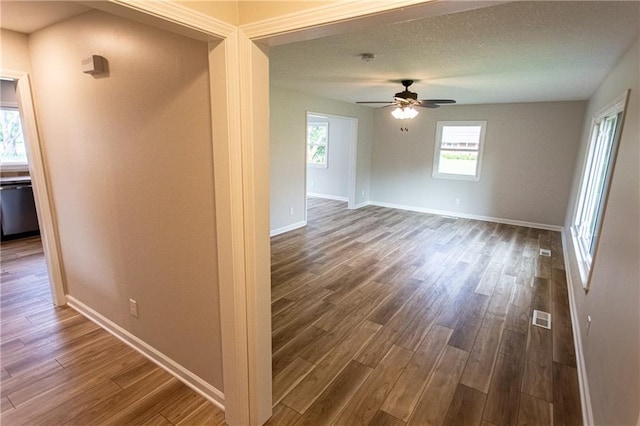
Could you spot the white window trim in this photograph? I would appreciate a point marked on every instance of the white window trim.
(14, 166)
(438, 144)
(326, 163)
(584, 257)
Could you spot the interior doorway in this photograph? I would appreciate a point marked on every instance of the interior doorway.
(331, 156)
(18, 218)
(37, 180)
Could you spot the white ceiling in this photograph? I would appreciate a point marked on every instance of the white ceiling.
(515, 52)
(29, 16)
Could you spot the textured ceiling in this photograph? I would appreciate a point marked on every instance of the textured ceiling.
(29, 16)
(514, 52)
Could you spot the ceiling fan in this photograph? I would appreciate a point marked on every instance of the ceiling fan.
(406, 100)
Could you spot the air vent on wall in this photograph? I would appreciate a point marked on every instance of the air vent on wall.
(542, 319)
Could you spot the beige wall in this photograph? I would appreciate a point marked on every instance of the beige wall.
(287, 137)
(526, 170)
(14, 51)
(129, 158)
(612, 346)
(224, 10)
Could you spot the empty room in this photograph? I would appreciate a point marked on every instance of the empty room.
(406, 294)
(321, 212)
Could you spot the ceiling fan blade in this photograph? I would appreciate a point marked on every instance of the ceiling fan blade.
(374, 102)
(424, 104)
(438, 101)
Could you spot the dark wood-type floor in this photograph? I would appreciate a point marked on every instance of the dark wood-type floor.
(379, 317)
(60, 368)
(387, 317)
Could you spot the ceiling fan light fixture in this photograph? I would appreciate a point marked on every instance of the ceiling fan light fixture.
(404, 113)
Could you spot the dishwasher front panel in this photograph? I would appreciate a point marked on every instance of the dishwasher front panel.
(17, 209)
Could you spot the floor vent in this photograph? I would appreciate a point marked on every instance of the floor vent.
(545, 252)
(542, 319)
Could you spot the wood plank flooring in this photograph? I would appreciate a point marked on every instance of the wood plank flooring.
(380, 317)
(60, 368)
(387, 317)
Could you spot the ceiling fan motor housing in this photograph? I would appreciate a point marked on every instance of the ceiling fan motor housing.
(406, 94)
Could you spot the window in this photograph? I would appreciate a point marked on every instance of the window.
(318, 144)
(13, 154)
(458, 149)
(594, 187)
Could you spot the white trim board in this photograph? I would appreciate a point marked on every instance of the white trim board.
(469, 216)
(184, 17)
(327, 196)
(178, 371)
(583, 382)
(288, 228)
(333, 18)
(359, 206)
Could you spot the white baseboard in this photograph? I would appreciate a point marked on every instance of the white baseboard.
(328, 197)
(185, 376)
(583, 382)
(361, 205)
(288, 228)
(469, 216)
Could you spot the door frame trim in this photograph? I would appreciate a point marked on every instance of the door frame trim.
(41, 191)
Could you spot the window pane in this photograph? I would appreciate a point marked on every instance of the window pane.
(317, 143)
(458, 147)
(318, 134)
(12, 147)
(461, 137)
(594, 182)
(457, 162)
(316, 154)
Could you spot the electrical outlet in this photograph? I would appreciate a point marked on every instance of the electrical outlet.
(457, 201)
(363, 192)
(291, 211)
(133, 308)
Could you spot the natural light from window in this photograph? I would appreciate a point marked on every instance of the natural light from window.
(594, 187)
(458, 149)
(317, 144)
(12, 148)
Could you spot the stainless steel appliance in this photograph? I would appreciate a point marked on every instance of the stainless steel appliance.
(17, 207)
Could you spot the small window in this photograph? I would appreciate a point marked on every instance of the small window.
(318, 144)
(594, 187)
(13, 154)
(458, 149)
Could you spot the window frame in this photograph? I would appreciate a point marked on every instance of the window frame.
(440, 125)
(322, 123)
(15, 166)
(586, 252)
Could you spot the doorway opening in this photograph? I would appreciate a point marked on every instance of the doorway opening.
(331, 155)
(18, 218)
(26, 163)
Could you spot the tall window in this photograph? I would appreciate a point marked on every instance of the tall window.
(458, 149)
(318, 144)
(13, 153)
(603, 147)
